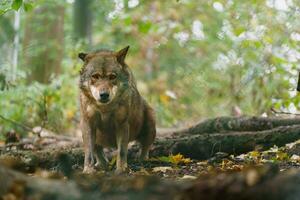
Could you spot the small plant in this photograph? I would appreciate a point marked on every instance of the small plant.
(175, 159)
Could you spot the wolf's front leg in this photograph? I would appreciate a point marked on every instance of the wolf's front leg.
(122, 137)
(88, 136)
(101, 158)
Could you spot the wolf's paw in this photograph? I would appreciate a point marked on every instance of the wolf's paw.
(89, 170)
(122, 171)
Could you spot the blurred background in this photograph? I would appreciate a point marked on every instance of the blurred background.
(192, 59)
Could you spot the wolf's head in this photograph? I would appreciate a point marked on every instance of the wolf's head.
(104, 75)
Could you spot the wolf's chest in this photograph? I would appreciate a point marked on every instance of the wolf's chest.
(106, 131)
(106, 138)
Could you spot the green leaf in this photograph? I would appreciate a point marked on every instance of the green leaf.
(164, 159)
(16, 4)
(128, 21)
(239, 30)
(144, 27)
(27, 6)
(2, 12)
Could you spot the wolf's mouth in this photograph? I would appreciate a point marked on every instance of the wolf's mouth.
(103, 100)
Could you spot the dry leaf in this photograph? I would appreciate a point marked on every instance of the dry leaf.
(188, 177)
(162, 169)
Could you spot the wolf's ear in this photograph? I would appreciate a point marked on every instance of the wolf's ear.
(122, 54)
(82, 56)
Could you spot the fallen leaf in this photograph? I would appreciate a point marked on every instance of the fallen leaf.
(179, 159)
(175, 159)
(254, 154)
(164, 159)
(202, 163)
(295, 158)
(281, 155)
(162, 169)
(188, 177)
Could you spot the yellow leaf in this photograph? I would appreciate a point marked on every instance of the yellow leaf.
(254, 154)
(164, 98)
(70, 114)
(281, 155)
(226, 164)
(112, 162)
(179, 159)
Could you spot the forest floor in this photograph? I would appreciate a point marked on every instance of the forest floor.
(49, 160)
(178, 167)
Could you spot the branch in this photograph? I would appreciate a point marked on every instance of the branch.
(281, 112)
(27, 128)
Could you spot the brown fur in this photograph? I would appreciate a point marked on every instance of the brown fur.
(126, 117)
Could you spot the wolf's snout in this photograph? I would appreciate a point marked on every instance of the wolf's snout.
(104, 97)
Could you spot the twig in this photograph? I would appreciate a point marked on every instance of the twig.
(16, 123)
(282, 112)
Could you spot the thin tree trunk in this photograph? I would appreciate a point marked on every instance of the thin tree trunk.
(16, 45)
(43, 41)
(83, 20)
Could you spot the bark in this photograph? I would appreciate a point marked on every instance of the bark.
(256, 183)
(44, 25)
(203, 146)
(226, 124)
(82, 15)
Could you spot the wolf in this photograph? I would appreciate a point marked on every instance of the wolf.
(113, 112)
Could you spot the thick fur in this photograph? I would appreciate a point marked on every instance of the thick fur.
(124, 118)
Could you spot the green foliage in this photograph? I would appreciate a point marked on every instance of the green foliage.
(7, 5)
(16, 4)
(27, 6)
(52, 106)
(236, 58)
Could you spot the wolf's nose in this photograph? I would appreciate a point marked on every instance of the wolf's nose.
(104, 97)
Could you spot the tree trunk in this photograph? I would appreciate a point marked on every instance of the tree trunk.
(83, 20)
(43, 41)
(16, 45)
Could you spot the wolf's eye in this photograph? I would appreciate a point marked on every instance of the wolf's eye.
(96, 76)
(112, 77)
